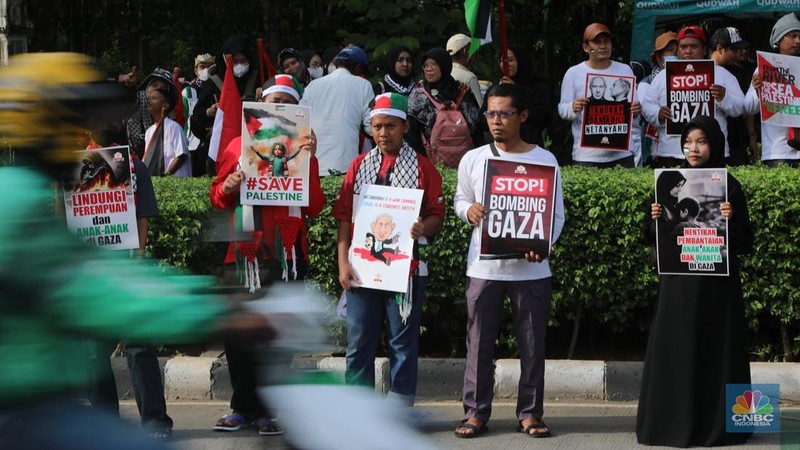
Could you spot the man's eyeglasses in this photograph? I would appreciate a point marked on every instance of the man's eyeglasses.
(503, 115)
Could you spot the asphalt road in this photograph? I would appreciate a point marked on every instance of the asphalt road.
(575, 425)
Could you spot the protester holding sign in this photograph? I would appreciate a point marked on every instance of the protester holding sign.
(391, 163)
(526, 280)
(583, 92)
(697, 340)
(694, 92)
(780, 141)
(279, 243)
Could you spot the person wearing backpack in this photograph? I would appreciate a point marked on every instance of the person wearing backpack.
(444, 121)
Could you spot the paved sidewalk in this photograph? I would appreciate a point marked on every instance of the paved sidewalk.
(575, 425)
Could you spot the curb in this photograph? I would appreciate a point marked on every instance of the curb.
(207, 378)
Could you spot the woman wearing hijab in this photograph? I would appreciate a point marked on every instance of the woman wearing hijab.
(399, 67)
(520, 71)
(697, 341)
(439, 84)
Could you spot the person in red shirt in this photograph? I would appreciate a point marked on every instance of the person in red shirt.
(283, 222)
(391, 163)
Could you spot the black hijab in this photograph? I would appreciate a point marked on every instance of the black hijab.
(391, 60)
(447, 87)
(716, 141)
(524, 76)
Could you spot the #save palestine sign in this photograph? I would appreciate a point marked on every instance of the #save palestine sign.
(688, 92)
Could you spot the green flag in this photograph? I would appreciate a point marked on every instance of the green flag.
(479, 21)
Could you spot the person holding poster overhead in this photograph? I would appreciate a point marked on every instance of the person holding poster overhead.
(276, 227)
(525, 280)
(776, 147)
(584, 94)
(698, 339)
(724, 95)
(391, 163)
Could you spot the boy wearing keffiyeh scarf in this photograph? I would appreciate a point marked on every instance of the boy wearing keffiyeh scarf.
(391, 163)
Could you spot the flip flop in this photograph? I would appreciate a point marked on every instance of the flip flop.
(540, 425)
(230, 422)
(268, 427)
(475, 431)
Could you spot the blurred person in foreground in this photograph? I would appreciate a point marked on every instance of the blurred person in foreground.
(60, 291)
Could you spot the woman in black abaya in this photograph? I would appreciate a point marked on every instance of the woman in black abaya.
(697, 340)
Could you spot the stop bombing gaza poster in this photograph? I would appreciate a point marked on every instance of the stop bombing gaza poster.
(688, 92)
(519, 197)
(780, 92)
(276, 170)
(98, 199)
(692, 236)
(607, 116)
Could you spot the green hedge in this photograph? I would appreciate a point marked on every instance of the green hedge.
(601, 265)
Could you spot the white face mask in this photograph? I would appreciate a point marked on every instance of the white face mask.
(203, 74)
(331, 67)
(240, 69)
(315, 72)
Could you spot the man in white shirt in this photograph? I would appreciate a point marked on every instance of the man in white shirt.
(728, 99)
(775, 148)
(340, 110)
(597, 45)
(525, 281)
(458, 48)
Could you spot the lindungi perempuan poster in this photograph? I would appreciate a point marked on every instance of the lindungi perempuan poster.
(692, 234)
(98, 199)
(382, 247)
(607, 115)
(519, 199)
(275, 168)
(780, 91)
(688, 92)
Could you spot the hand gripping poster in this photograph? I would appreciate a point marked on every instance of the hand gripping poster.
(98, 199)
(688, 92)
(382, 248)
(276, 168)
(607, 116)
(519, 197)
(780, 89)
(692, 234)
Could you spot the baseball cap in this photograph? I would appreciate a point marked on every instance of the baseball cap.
(728, 37)
(352, 54)
(593, 30)
(692, 31)
(663, 40)
(457, 42)
(157, 74)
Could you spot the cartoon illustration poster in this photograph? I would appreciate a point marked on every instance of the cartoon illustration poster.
(692, 236)
(519, 198)
(275, 169)
(381, 250)
(607, 117)
(98, 199)
(780, 89)
(688, 92)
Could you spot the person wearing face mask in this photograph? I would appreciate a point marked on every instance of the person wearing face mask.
(202, 64)
(202, 120)
(313, 62)
(328, 56)
(698, 339)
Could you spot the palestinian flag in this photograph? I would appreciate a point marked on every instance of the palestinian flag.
(262, 125)
(479, 21)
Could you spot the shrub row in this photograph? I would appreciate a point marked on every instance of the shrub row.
(601, 263)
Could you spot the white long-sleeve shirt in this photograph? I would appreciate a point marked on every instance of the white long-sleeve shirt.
(732, 105)
(339, 108)
(470, 190)
(574, 86)
(773, 137)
